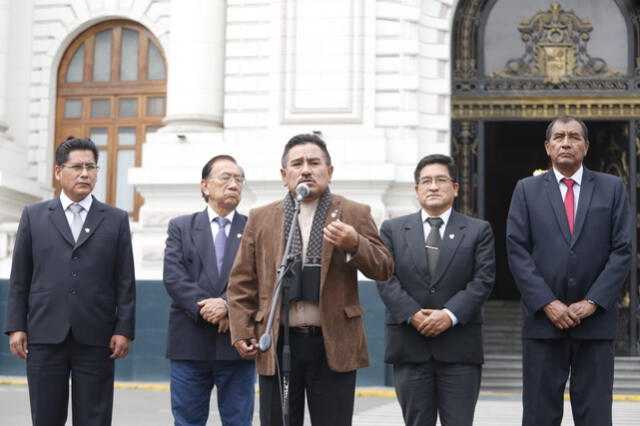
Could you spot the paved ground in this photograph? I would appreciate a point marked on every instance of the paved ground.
(150, 407)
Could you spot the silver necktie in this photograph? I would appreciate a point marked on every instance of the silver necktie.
(76, 223)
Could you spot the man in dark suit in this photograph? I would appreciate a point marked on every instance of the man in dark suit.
(337, 238)
(200, 250)
(71, 304)
(569, 249)
(445, 270)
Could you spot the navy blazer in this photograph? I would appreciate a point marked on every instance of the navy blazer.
(190, 275)
(463, 280)
(57, 285)
(548, 263)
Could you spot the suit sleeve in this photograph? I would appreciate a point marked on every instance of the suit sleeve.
(125, 280)
(606, 288)
(371, 257)
(399, 303)
(466, 303)
(184, 292)
(242, 291)
(535, 292)
(20, 279)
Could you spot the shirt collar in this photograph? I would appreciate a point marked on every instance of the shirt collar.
(212, 214)
(577, 176)
(66, 201)
(444, 216)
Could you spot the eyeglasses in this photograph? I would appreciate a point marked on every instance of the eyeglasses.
(439, 180)
(225, 179)
(78, 167)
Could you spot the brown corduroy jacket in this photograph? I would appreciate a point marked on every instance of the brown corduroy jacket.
(255, 270)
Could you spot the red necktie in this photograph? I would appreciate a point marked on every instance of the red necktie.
(569, 202)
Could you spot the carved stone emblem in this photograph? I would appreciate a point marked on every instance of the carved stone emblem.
(555, 49)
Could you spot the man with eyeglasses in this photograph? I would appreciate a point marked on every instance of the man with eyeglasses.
(200, 250)
(71, 303)
(445, 270)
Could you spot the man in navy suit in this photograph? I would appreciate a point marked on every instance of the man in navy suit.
(200, 251)
(71, 304)
(445, 270)
(569, 249)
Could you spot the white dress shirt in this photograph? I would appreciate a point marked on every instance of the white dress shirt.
(577, 177)
(66, 202)
(215, 227)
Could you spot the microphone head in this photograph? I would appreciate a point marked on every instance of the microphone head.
(302, 191)
(265, 342)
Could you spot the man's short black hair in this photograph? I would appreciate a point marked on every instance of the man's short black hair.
(445, 160)
(74, 144)
(566, 119)
(206, 170)
(301, 140)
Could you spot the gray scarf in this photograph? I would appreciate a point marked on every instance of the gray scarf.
(304, 281)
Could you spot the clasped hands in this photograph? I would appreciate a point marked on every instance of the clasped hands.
(431, 322)
(564, 317)
(215, 311)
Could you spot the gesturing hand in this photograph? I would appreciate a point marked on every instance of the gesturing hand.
(342, 235)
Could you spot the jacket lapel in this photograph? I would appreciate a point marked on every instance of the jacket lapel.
(203, 240)
(555, 199)
(335, 212)
(233, 241)
(454, 233)
(59, 220)
(94, 219)
(278, 237)
(584, 201)
(415, 239)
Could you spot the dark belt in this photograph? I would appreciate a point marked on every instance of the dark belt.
(306, 331)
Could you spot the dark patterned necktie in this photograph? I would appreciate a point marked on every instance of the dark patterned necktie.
(433, 243)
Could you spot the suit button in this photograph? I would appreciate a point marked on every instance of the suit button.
(72, 291)
(75, 258)
(572, 253)
(571, 281)
(74, 274)
(432, 291)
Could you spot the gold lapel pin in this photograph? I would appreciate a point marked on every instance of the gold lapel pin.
(451, 236)
(87, 230)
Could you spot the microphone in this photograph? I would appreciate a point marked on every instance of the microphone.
(302, 191)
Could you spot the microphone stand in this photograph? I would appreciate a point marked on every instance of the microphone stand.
(281, 284)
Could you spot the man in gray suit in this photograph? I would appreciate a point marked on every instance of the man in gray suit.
(71, 304)
(445, 270)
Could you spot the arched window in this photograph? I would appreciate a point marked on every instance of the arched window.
(112, 89)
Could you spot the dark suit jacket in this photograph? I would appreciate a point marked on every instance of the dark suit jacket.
(548, 263)
(254, 275)
(190, 275)
(57, 285)
(463, 281)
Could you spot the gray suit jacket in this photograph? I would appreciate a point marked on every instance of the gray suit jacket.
(58, 285)
(463, 280)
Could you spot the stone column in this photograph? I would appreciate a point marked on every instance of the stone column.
(4, 64)
(195, 86)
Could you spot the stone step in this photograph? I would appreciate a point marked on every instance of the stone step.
(503, 373)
